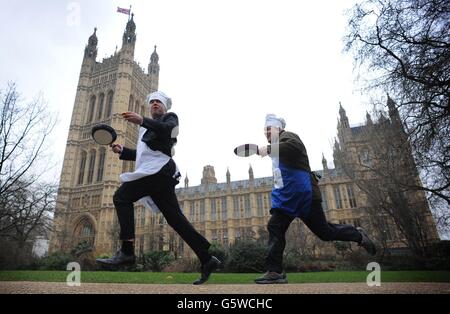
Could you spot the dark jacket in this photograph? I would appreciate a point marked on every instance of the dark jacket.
(160, 135)
(293, 154)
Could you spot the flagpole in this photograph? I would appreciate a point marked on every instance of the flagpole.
(129, 14)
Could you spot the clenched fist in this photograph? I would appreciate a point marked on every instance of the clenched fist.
(117, 148)
(263, 151)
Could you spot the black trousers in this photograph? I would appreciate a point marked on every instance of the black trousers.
(279, 223)
(161, 188)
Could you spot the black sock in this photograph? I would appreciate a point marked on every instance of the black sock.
(128, 248)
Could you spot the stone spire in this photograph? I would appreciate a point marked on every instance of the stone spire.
(91, 49)
(250, 173)
(153, 67)
(186, 181)
(393, 111)
(324, 162)
(368, 119)
(343, 117)
(209, 176)
(129, 36)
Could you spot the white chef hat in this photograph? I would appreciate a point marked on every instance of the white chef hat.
(163, 98)
(274, 121)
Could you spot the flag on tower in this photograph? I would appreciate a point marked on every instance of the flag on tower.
(122, 10)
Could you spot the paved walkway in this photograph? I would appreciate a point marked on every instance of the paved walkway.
(96, 288)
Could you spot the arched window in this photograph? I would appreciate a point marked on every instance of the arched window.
(87, 230)
(101, 165)
(365, 158)
(109, 104)
(248, 212)
(82, 166)
(91, 109)
(84, 232)
(91, 166)
(337, 197)
(213, 209)
(101, 104)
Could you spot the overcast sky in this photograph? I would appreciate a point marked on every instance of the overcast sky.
(225, 63)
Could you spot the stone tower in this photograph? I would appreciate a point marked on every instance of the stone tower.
(359, 147)
(90, 175)
(209, 175)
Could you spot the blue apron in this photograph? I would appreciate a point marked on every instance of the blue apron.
(292, 192)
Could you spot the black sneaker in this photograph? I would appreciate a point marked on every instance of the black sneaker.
(120, 259)
(272, 277)
(207, 269)
(366, 242)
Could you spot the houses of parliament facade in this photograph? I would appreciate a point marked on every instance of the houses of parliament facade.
(223, 212)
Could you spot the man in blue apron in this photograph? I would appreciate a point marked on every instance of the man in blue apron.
(296, 194)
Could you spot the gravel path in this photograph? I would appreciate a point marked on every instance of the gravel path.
(96, 288)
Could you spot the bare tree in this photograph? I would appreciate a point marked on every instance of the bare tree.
(24, 129)
(403, 47)
(442, 215)
(28, 215)
(26, 201)
(27, 212)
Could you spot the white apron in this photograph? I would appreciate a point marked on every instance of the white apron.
(148, 162)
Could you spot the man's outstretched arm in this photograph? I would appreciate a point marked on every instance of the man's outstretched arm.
(162, 128)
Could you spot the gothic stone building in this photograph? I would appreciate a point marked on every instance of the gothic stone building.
(223, 212)
(227, 212)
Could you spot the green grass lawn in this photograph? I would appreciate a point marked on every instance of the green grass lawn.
(222, 278)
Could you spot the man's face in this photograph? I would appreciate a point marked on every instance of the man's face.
(157, 109)
(271, 133)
